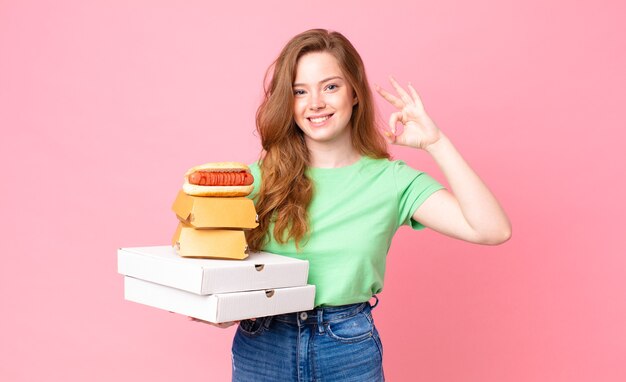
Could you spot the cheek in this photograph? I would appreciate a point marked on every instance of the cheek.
(347, 106)
(343, 101)
(299, 106)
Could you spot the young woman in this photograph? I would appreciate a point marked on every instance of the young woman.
(326, 191)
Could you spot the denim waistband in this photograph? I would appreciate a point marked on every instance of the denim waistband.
(325, 314)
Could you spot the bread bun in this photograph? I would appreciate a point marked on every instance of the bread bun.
(195, 190)
(218, 191)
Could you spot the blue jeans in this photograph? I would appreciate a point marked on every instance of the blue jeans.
(328, 344)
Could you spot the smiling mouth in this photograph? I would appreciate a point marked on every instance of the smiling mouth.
(320, 119)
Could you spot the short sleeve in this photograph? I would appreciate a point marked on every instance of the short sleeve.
(413, 188)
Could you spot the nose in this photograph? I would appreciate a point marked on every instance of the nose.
(317, 102)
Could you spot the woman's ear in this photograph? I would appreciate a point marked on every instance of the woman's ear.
(355, 101)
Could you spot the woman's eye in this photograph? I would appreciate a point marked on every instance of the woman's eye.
(298, 92)
(331, 87)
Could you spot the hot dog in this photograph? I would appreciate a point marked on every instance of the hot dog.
(212, 178)
(218, 179)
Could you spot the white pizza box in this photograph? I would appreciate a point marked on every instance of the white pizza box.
(260, 270)
(220, 307)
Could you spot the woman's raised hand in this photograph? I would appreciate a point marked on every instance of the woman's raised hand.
(419, 130)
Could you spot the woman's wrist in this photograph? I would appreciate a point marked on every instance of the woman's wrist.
(440, 144)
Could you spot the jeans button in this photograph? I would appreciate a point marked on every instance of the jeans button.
(303, 316)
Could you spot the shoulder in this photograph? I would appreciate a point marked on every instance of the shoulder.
(395, 168)
(404, 177)
(377, 164)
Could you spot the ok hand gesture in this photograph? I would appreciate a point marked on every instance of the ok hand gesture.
(419, 130)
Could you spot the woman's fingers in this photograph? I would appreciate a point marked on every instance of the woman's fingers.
(404, 96)
(404, 99)
(416, 98)
(221, 325)
(224, 325)
(395, 101)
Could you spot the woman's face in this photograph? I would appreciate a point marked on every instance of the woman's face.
(323, 99)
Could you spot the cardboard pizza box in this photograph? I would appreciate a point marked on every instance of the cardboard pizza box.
(261, 270)
(220, 307)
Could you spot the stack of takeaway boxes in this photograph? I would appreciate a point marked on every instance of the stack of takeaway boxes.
(207, 272)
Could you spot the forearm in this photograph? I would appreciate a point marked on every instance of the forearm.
(479, 206)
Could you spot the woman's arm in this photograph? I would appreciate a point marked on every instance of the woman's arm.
(470, 212)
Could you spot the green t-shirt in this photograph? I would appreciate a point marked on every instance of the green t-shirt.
(354, 213)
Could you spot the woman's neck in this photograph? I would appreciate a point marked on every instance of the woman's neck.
(325, 157)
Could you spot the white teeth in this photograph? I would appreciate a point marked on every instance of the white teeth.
(320, 119)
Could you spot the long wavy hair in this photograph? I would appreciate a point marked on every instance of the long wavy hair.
(286, 191)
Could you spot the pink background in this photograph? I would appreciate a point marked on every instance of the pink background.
(105, 104)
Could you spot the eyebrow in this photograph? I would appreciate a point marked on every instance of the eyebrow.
(322, 81)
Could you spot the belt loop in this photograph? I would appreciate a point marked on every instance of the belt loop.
(320, 320)
(376, 303)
